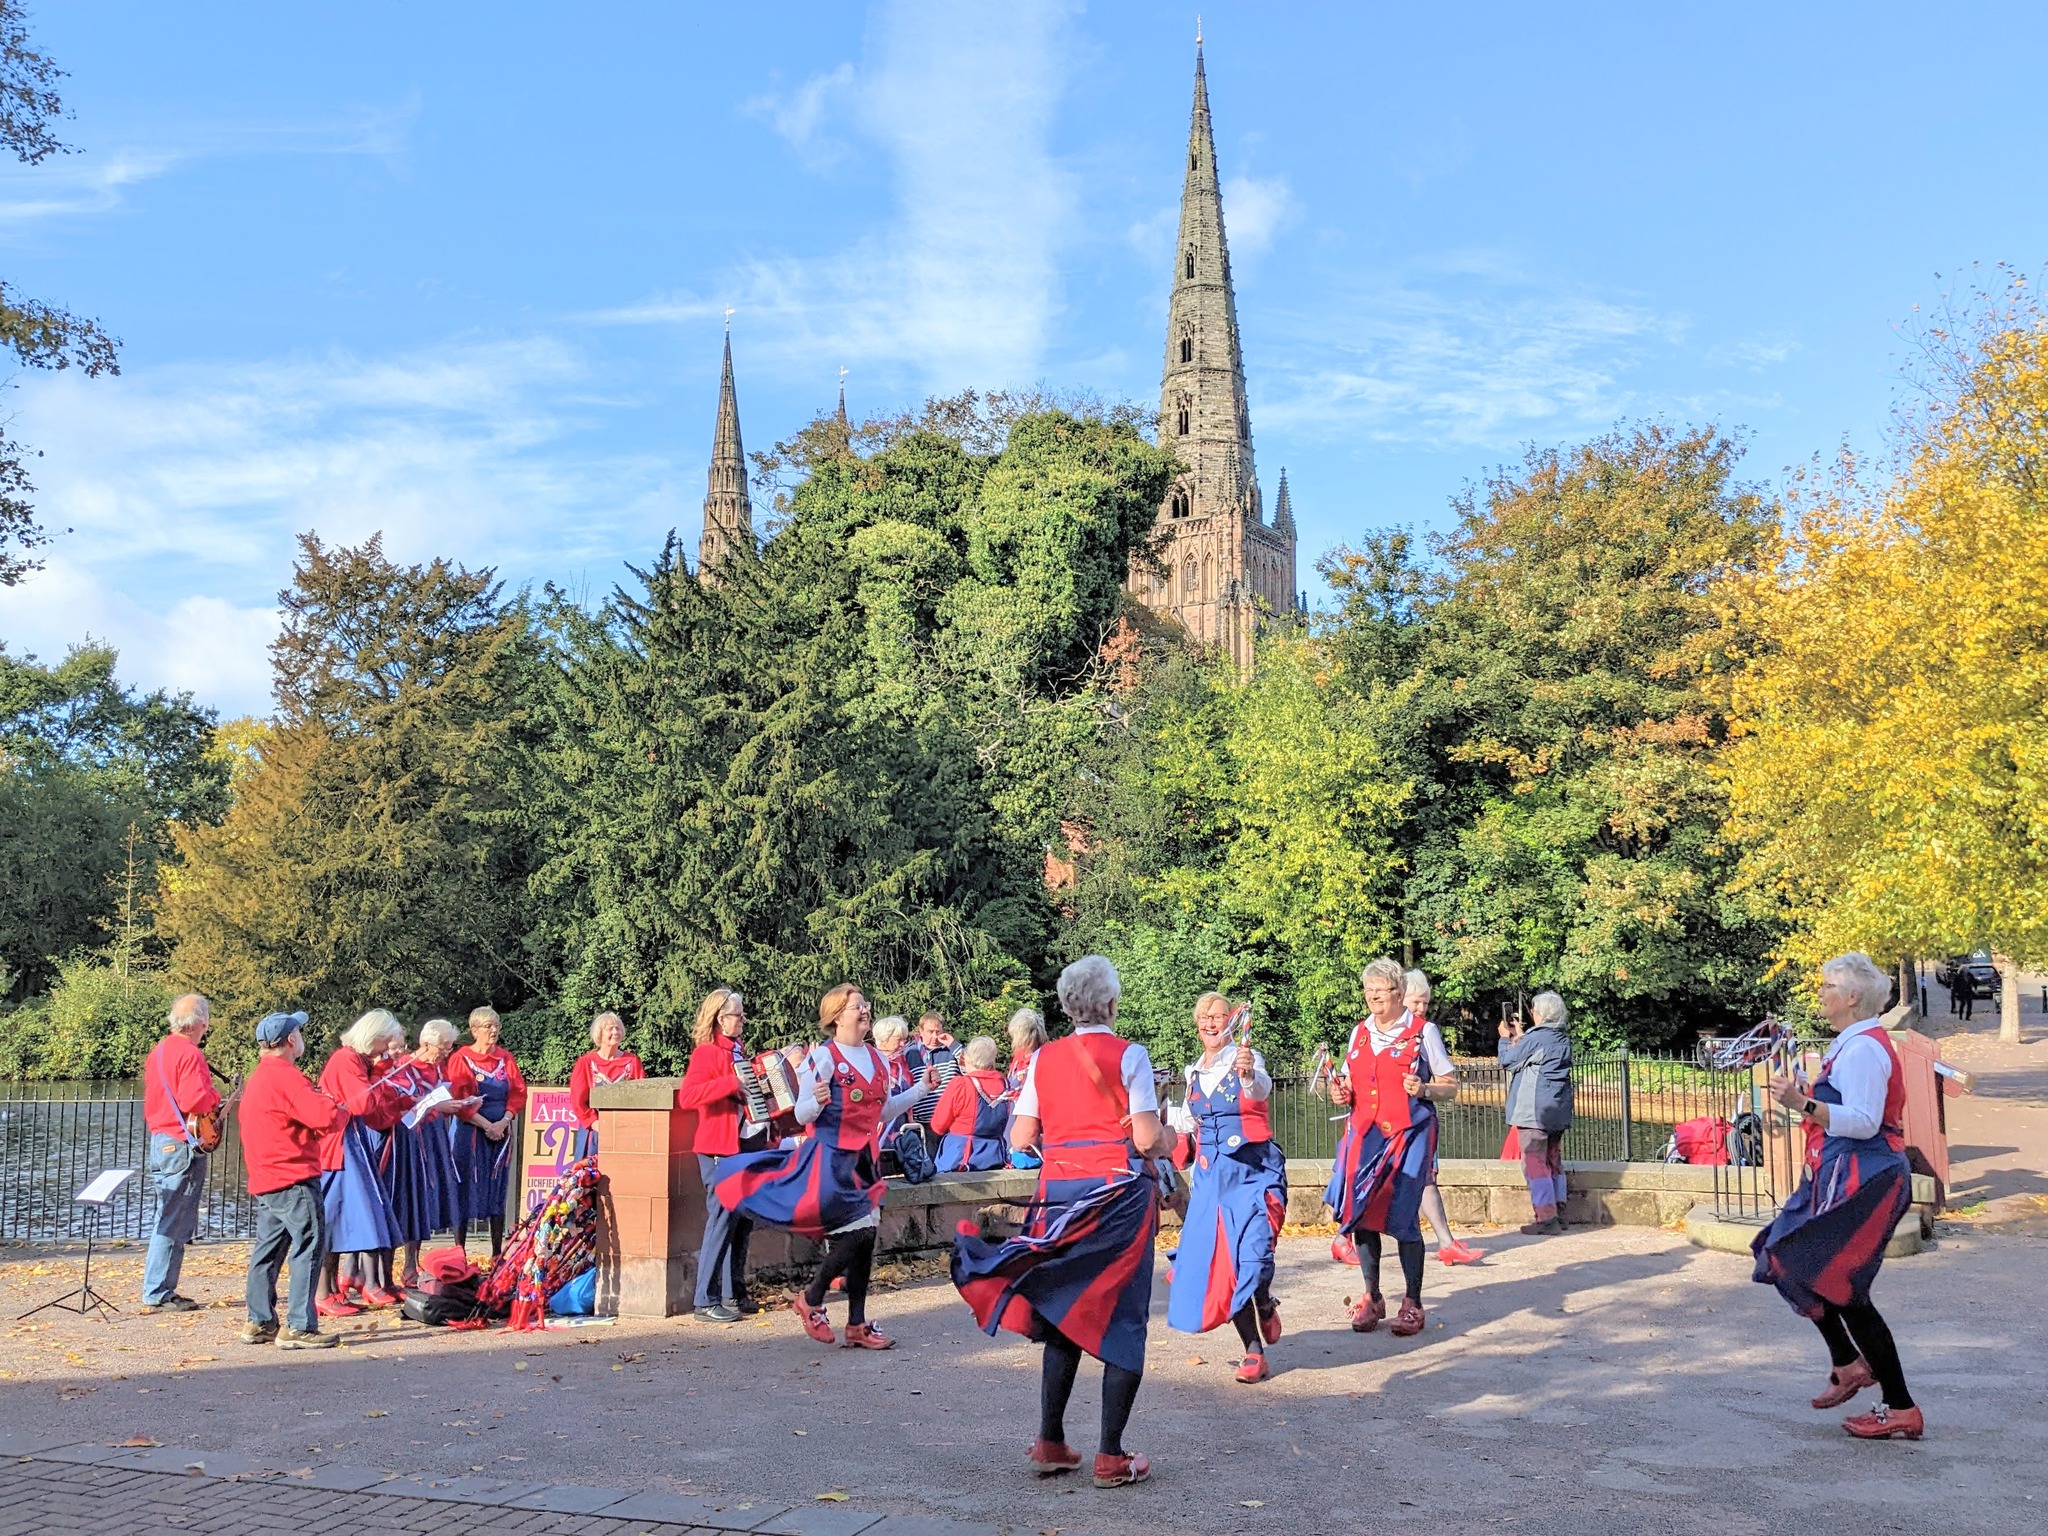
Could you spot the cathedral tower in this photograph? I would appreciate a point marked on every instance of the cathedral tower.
(728, 513)
(1224, 564)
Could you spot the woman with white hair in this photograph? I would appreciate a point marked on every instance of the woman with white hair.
(1538, 1062)
(426, 1189)
(1395, 1072)
(1823, 1250)
(1027, 1034)
(356, 1200)
(1449, 1250)
(1079, 1277)
(610, 1062)
(972, 1117)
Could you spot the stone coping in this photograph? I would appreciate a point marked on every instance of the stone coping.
(640, 1093)
(769, 1516)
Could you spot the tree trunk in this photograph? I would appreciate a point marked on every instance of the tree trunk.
(2008, 999)
(1909, 986)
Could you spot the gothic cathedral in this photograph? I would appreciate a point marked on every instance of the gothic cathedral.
(1221, 563)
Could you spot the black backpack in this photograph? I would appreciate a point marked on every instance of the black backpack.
(914, 1155)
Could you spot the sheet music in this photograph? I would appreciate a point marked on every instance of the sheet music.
(101, 1189)
(435, 1097)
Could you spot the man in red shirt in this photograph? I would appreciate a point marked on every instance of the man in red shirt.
(283, 1118)
(177, 1087)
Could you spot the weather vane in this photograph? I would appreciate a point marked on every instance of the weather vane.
(728, 319)
(1198, 29)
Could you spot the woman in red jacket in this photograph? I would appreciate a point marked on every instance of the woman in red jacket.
(611, 1062)
(972, 1118)
(712, 1088)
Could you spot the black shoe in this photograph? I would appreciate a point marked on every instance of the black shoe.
(746, 1306)
(718, 1313)
(172, 1303)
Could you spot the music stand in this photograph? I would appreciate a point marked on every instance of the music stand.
(94, 1198)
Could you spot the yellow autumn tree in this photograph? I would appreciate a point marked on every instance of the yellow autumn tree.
(1889, 693)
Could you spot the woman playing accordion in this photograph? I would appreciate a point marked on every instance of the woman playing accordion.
(1823, 1250)
(1079, 1277)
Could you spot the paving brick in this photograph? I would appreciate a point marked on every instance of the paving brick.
(821, 1520)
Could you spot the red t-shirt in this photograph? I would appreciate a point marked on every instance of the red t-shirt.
(592, 1069)
(711, 1087)
(465, 1061)
(346, 1080)
(960, 1103)
(283, 1120)
(190, 1080)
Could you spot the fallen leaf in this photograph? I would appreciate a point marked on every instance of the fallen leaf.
(375, 1413)
(518, 1365)
(1253, 1503)
(799, 1431)
(834, 1497)
(140, 1440)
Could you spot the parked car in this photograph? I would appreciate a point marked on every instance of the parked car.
(1973, 970)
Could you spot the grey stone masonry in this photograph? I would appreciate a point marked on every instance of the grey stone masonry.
(728, 511)
(1223, 563)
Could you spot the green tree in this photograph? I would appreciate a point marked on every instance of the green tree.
(39, 335)
(82, 759)
(1568, 821)
(375, 855)
(845, 760)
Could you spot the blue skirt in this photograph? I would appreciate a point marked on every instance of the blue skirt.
(811, 1189)
(1827, 1242)
(1378, 1182)
(972, 1154)
(1084, 1267)
(354, 1198)
(426, 1191)
(485, 1167)
(1236, 1206)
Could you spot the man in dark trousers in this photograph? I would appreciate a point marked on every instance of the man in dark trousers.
(283, 1117)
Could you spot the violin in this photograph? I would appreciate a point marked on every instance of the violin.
(208, 1129)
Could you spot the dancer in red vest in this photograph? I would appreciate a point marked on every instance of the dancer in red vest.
(1079, 1277)
(829, 1184)
(1823, 1250)
(1395, 1072)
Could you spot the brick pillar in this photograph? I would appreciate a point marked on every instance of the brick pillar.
(650, 1203)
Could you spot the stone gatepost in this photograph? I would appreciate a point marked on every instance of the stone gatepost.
(650, 1201)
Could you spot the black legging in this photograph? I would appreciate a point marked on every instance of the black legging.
(1857, 1329)
(1056, 1385)
(852, 1254)
(1412, 1254)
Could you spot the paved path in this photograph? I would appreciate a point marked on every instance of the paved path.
(1605, 1381)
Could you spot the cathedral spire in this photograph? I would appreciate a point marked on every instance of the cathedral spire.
(728, 512)
(1283, 507)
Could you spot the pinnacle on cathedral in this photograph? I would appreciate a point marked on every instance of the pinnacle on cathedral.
(728, 512)
(1283, 507)
(1224, 564)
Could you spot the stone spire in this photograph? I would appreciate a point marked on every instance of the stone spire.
(1223, 566)
(728, 512)
(841, 417)
(1283, 507)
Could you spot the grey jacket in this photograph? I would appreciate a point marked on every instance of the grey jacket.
(1540, 1079)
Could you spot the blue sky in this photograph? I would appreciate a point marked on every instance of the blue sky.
(457, 272)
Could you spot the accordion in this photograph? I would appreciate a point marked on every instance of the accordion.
(769, 1082)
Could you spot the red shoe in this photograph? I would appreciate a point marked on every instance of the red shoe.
(1343, 1250)
(1115, 1471)
(814, 1321)
(1883, 1423)
(865, 1336)
(1367, 1314)
(1409, 1320)
(1269, 1323)
(382, 1298)
(838, 1283)
(1049, 1458)
(1252, 1369)
(1844, 1382)
(336, 1304)
(1457, 1251)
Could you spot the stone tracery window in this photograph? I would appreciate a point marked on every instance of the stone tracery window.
(1187, 343)
(1191, 261)
(1184, 410)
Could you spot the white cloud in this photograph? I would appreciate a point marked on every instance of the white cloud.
(177, 482)
(797, 115)
(961, 284)
(96, 181)
(1255, 210)
(1465, 354)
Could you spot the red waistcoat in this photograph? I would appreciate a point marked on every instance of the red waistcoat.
(853, 1118)
(1085, 1128)
(1377, 1096)
(1891, 1126)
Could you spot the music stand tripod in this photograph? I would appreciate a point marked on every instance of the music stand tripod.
(85, 1299)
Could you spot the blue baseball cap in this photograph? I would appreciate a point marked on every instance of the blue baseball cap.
(276, 1028)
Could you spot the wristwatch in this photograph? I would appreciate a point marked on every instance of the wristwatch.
(1807, 1109)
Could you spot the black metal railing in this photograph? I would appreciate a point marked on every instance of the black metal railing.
(55, 1138)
